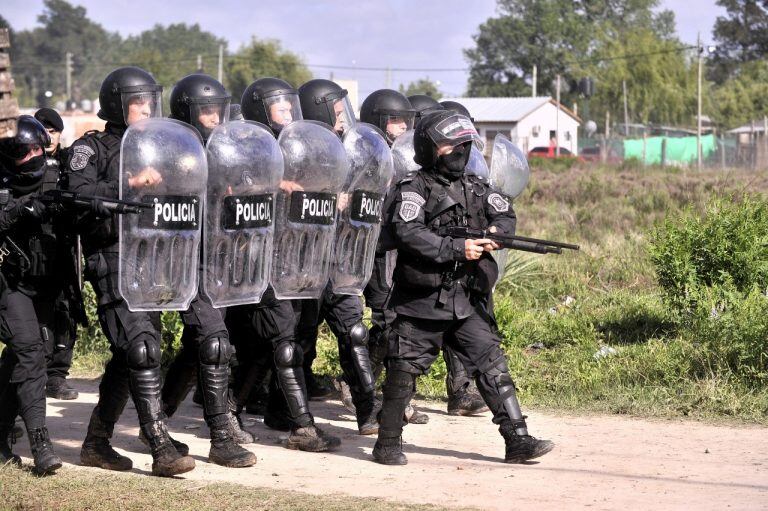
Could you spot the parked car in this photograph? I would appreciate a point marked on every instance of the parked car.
(549, 152)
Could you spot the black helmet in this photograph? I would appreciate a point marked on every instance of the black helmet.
(325, 101)
(126, 85)
(201, 101)
(30, 133)
(271, 101)
(423, 105)
(235, 113)
(458, 108)
(387, 106)
(437, 129)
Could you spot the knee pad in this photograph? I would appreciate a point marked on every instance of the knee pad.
(358, 335)
(215, 351)
(288, 354)
(143, 353)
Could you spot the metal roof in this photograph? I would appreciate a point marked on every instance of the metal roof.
(752, 127)
(504, 109)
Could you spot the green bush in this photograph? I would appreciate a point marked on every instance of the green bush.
(728, 245)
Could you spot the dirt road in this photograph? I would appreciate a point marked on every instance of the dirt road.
(600, 462)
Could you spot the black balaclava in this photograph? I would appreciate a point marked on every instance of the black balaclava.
(452, 165)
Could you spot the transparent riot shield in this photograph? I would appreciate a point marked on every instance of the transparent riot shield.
(245, 166)
(360, 210)
(402, 155)
(316, 169)
(476, 166)
(163, 164)
(509, 173)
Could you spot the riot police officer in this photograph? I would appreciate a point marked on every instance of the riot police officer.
(30, 282)
(326, 102)
(69, 306)
(424, 105)
(441, 285)
(203, 102)
(463, 396)
(271, 322)
(127, 95)
(393, 114)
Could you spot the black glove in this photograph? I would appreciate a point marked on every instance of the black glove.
(99, 209)
(31, 207)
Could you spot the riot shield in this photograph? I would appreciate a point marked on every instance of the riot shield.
(360, 210)
(245, 168)
(476, 166)
(509, 174)
(316, 169)
(402, 155)
(163, 163)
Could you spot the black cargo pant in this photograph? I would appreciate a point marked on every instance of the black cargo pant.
(134, 341)
(59, 347)
(22, 364)
(416, 344)
(263, 335)
(202, 324)
(344, 315)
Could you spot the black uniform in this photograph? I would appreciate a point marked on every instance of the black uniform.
(32, 254)
(69, 310)
(439, 296)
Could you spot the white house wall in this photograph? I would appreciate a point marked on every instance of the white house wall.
(533, 130)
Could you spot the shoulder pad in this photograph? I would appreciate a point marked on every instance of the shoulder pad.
(409, 177)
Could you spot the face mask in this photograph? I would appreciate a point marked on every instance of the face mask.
(452, 165)
(33, 164)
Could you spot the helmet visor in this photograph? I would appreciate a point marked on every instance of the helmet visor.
(454, 131)
(282, 110)
(395, 124)
(205, 114)
(342, 114)
(141, 105)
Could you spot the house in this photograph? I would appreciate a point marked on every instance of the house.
(528, 122)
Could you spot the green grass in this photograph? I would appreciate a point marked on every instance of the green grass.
(77, 489)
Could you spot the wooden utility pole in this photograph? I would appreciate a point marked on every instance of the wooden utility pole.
(557, 120)
(9, 106)
(699, 49)
(533, 80)
(626, 110)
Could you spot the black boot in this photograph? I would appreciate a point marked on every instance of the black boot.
(224, 449)
(398, 388)
(389, 450)
(6, 441)
(166, 460)
(46, 461)
(96, 450)
(181, 447)
(312, 439)
(58, 388)
(240, 435)
(521, 448)
(466, 401)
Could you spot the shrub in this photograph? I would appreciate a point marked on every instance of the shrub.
(728, 245)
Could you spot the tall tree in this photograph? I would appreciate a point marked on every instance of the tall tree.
(421, 86)
(744, 97)
(39, 55)
(742, 36)
(549, 34)
(170, 52)
(259, 59)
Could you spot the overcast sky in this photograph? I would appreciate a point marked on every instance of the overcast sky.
(424, 35)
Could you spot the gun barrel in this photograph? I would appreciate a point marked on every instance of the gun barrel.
(558, 244)
(527, 246)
